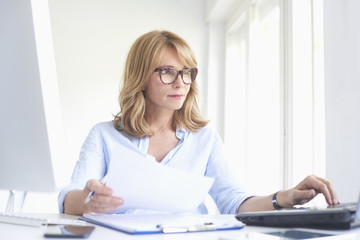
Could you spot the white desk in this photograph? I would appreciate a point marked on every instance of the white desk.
(17, 232)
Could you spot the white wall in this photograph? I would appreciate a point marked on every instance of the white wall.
(342, 94)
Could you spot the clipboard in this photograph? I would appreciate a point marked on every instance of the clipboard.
(137, 224)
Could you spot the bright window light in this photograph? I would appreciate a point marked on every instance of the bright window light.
(253, 100)
(274, 122)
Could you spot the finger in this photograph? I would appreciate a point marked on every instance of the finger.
(93, 206)
(333, 199)
(91, 184)
(103, 202)
(96, 186)
(321, 186)
(101, 209)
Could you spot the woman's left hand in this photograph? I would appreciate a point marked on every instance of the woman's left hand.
(306, 190)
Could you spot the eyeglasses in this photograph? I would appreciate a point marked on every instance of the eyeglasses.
(169, 75)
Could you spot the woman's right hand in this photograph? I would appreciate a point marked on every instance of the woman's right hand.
(102, 201)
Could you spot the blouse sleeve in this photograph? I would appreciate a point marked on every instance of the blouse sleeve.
(90, 165)
(226, 192)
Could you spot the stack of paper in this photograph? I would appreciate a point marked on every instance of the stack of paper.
(146, 184)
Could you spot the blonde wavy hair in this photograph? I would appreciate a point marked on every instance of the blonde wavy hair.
(144, 56)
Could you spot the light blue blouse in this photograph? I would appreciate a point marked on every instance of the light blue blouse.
(201, 153)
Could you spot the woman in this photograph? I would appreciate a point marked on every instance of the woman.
(160, 116)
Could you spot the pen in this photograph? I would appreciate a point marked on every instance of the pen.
(92, 193)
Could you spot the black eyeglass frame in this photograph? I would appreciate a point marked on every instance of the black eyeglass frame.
(193, 74)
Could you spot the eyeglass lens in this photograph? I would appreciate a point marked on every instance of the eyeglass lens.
(169, 75)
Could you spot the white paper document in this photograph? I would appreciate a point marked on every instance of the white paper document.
(144, 183)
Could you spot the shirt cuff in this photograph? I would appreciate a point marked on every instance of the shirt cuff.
(62, 195)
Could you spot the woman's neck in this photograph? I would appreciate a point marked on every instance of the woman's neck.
(160, 122)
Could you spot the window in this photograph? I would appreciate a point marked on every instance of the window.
(252, 97)
(308, 107)
(274, 109)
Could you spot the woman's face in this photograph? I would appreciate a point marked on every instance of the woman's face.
(170, 97)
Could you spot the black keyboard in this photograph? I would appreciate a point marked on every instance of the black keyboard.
(352, 206)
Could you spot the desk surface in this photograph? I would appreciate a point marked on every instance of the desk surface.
(17, 232)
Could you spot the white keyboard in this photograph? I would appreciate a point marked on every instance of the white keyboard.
(40, 220)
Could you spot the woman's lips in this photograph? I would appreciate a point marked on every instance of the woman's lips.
(177, 96)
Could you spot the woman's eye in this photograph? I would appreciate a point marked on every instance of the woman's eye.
(166, 71)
